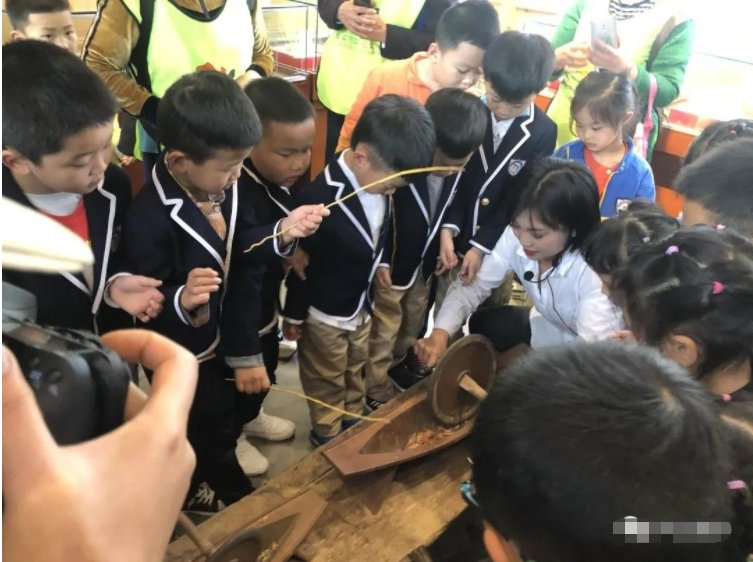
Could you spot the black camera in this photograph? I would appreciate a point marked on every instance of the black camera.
(80, 385)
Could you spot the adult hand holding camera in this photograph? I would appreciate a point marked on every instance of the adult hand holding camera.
(77, 502)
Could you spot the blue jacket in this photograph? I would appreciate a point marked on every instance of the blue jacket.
(632, 180)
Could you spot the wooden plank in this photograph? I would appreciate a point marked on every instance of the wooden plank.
(422, 500)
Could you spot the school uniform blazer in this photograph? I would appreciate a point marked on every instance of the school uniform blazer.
(271, 203)
(66, 299)
(632, 179)
(400, 42)
(489, 188)
(343, 256)
(166, 236)
(412, 244)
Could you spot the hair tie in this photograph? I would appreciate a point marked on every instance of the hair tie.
(646, 239)
(717, 287)
(737, 485)
(720, 227)
(672, 250)
(726, 398)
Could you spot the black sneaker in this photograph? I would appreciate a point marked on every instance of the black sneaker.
(204, 501)
(372, 404)
(416, 365)
(402, 377)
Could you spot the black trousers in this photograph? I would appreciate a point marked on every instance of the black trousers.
(211, 432)
(248, 406)
(505, 326)
(334, 124)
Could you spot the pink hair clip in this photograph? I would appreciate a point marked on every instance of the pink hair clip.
(672, 250)
(737, 485)
(717, 287)
(726, 397)
(720, 227)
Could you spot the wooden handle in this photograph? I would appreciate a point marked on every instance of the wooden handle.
(206, 548)
(473, 388)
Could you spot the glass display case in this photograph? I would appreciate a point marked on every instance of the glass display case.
(296, 34)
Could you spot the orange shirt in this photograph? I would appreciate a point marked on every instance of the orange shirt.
(76, 221)
(601, 173)
(394, 77)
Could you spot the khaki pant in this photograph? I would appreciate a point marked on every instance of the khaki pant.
(330, 361)
(397, 319)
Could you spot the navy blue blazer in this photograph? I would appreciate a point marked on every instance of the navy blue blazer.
(166, 236)
(412, 245)
(489, 190)
(66, 299)
(343, 257)
(271, 203)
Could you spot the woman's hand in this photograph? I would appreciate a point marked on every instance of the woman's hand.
(573, 54)
(610, 58)
(431, 349)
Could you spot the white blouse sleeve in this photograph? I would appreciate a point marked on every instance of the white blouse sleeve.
(461, 301)
(597, 317)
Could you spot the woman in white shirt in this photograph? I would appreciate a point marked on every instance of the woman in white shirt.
(557, 210)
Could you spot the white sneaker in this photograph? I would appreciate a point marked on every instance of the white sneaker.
(251, 460)
(270, 428)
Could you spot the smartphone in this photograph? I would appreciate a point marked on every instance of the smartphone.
(605, 29)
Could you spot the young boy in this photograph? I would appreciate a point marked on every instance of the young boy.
(410, 257)
(330, 310)
(718, 187)
(552, 480)
(181, 229)
(282, 156)
(57, 132)
(44, 20)
(452, 61)
(516, 67)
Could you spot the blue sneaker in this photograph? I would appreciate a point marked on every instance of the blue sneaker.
(319, 440)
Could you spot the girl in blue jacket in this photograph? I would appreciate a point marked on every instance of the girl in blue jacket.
(603, 105)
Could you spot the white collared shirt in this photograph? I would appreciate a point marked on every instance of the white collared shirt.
(499, 130)
(434, 184)
(568, 305)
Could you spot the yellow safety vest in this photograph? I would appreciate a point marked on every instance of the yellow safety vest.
(347, 59)
(179, 45)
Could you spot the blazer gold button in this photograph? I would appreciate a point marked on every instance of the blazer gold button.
(485, 201)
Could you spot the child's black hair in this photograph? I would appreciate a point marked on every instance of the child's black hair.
(697, 283)
(207, 111)
(572, 439)
(718, 133)
(518, 64)
(460, 121)
(474, 21)
(611, 244)
(49, 95)
(564, 195)
(398, 130)
(19, 10)
(607, 96)
(277, 100)
(722, 181)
